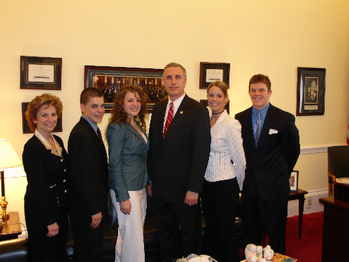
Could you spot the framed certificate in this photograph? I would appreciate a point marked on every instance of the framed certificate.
(212, 72)
(41, 73)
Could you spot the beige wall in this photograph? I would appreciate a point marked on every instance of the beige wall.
(261, 36)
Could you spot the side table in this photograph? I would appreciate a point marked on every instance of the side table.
(300, 196)
(11, 227)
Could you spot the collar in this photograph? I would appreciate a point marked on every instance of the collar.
(263, 111)
(176, 103)
(94, 126)
(47, 144)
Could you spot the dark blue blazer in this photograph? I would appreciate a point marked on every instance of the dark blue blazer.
(270, 164)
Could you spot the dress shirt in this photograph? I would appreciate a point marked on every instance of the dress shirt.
(226, 147)
(176, 105)
(94, 126)
(263, 112)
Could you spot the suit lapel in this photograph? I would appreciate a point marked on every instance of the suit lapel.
(268, 122)
(135, 132)
(96, 140)
(180, 114)
(249, 129)
(160, 119)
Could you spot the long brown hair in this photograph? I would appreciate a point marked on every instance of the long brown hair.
(118, 113)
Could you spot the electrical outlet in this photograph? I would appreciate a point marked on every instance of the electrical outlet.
(309, 201)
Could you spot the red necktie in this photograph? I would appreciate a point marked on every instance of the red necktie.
(168, 119)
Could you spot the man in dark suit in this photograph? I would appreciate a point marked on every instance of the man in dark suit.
(177, 160)
(271, 144)
(89, 179)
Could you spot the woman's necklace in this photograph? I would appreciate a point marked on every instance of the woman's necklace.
(133, 123)
(217, 113)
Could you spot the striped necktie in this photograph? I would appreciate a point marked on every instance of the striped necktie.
(257, 128)
(168, 119)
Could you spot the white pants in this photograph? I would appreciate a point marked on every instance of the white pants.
(130, 244)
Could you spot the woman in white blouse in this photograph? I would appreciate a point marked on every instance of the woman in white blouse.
(224, 176)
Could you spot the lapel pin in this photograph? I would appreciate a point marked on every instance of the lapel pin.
(181, 112)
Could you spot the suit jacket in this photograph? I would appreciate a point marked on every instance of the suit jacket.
(127, 159)
(47, 176)
(178, 162)
(89, 172)
(270, 164)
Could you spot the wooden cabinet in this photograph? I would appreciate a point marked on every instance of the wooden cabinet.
(335, 241)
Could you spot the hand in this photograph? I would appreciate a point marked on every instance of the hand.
(52, 229)
(125, 207)
(191, 198)
(149, 189)
(96, 220)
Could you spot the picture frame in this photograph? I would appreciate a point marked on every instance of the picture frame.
(294, 181)
(205, 103)
(110, 79)
(41, 73)
(311, 84)
(211, 72)
(25, 126)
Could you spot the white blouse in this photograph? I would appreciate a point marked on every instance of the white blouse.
(226, 147)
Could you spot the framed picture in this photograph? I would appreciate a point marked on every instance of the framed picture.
(110, 79)
(26, 129)
(211, 72)
(204, 102)
(310, 91)
(41, 73)
(294, 181)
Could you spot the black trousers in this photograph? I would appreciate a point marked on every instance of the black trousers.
(88, 242)
(219, 203)
(42, 248)
(174, 242)
(270, 214)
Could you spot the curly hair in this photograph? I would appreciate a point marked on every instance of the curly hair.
(118, 114)
(38, 102)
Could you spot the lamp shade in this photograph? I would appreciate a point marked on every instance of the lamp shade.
(8, 156)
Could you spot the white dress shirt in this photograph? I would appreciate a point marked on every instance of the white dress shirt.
(226, 147)
(176, 105)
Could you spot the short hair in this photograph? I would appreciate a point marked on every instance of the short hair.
(220, 84)
(38, 102)
(173, 64)
(259, 78)
(118, 113)
(87, 93)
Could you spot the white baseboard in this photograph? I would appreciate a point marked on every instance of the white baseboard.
(311, 203)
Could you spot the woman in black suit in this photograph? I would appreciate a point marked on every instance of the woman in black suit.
(46, 164)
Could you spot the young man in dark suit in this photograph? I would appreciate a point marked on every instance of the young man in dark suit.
(89, 179)
(179, 147)
(271, 144)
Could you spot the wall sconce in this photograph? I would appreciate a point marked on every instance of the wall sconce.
(8, 159)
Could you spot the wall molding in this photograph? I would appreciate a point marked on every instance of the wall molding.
(315, 150)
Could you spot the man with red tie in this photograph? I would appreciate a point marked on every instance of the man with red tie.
(179, 147)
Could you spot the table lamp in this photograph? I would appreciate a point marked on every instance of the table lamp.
(8, 159)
